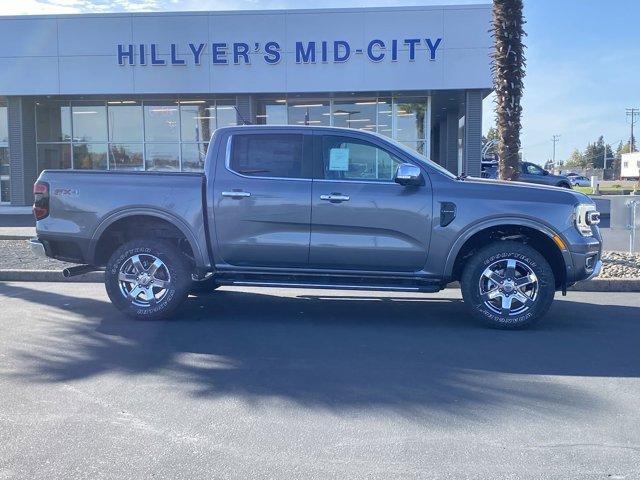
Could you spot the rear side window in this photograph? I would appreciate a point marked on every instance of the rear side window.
(278, 155)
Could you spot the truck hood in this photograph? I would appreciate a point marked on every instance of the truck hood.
(500, 189)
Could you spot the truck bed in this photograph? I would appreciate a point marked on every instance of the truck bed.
(83, 203)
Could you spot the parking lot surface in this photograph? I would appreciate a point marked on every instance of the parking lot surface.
(276, 383)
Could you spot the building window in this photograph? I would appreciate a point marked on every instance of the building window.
(128, 134)
(89, 122)
(90, 156)
(411, 118)
(5, 164)
(126, 156)
(360, 114)
(161, 122)
(162, 156)
(54, 156)
(309, 112)
(404, 119)
(385, 117)
(272, 112)
(193, 156)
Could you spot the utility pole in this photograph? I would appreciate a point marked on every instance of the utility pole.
(632, 113)
(555, 139)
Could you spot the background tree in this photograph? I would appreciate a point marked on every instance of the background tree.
(575, 160)
(492, 134)
(508, 72)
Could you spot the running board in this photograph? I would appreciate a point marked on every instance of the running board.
(342, 282)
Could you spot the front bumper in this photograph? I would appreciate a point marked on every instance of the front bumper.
(585, 256)
(596, 271)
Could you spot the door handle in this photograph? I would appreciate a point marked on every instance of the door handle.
(335, 198)
(237, 195)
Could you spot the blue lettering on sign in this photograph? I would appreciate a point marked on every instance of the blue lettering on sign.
(122, 54)
(306, 52)
(376, 55)
(219, 53)
(307, 55)
(272, 53)
(197, 52)
(154, 56)
(341, 51)
(174, 56)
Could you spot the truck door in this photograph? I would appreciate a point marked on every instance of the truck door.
(262, 200)
(361, 219)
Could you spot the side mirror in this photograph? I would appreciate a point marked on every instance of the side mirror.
(408, 174)
(545, 172)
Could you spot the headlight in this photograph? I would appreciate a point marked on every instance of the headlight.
(586, 215)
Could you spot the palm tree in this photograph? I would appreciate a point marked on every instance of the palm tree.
(508, 72)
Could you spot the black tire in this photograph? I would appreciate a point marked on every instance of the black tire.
(527, 261)
(172, 279)
(564, 185)
(199, 287)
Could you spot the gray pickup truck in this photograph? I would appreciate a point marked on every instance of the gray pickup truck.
(321, 208)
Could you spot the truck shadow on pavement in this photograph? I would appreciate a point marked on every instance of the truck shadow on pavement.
(416, 356)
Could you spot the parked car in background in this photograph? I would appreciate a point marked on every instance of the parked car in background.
(530, 173)
(318, 207)
(579, 181)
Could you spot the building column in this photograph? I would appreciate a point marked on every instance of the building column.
(452, 142)
(22, 149)
(472, 133)
(247, 106)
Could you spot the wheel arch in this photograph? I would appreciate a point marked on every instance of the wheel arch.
(156, 215)
(540, 235)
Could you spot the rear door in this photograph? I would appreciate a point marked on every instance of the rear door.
(262, 199)
(362, 219)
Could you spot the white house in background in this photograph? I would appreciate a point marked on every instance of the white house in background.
(630, 166)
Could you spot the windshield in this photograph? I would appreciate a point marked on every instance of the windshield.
(419, 157)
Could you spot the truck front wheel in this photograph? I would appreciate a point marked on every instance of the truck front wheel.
(147, 279)
(508, 285)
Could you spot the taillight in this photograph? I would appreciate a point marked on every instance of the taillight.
(41, 200)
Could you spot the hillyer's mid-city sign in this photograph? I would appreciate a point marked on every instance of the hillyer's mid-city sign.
(239, 53)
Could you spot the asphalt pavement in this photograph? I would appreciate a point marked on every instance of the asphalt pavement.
(288, 384)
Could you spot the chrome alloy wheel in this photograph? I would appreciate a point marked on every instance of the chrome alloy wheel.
(508, 287)
(144, 280)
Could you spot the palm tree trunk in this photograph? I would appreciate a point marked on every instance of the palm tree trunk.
(508, 72)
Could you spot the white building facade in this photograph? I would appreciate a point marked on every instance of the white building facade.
(146, 91)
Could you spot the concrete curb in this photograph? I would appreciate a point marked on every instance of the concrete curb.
(16, 237)
(48, 276)
(596, 285)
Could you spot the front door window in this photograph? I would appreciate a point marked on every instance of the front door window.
(345, 158)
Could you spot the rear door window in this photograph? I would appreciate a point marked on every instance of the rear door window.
(273, 155)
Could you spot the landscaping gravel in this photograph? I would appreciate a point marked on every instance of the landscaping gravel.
(620, 265)
(16, 255)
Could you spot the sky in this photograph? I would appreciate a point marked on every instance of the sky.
(583, 60)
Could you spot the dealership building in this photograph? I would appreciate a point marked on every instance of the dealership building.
(145, 91)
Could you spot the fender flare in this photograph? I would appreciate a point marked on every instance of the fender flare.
(149, 212)
(496, 222)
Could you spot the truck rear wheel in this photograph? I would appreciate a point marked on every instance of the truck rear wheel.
(508, 285)
(147, 279)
